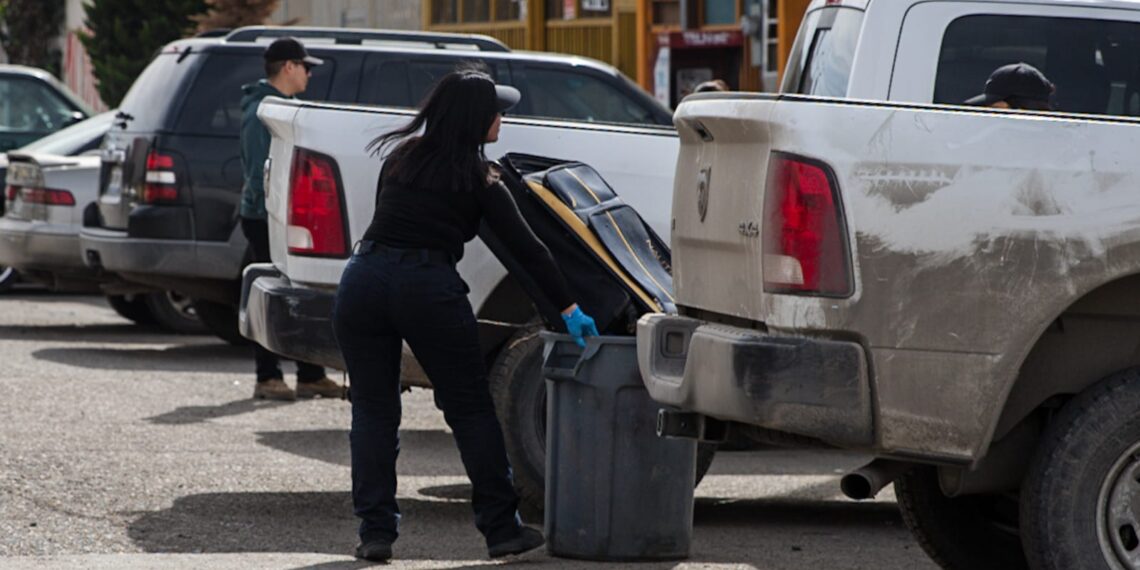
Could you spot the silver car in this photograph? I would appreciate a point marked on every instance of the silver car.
(49, 185)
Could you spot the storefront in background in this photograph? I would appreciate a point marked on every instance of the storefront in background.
(742, 42)
(668, 46)
(601, 29)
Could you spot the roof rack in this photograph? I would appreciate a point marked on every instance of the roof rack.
(357, 36)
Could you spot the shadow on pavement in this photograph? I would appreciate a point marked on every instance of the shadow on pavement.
(181, 358)
(327, 445)
(340, 565)
(197, 414)
(322, 522)
(784, 512)
(300, 522)
(423, 452)
(124, 332)
(458, 492)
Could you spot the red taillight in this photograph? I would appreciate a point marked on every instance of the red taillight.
(161, 183)
(159, 193)
(316, 221)
(158, 161)
(11, 191)
(49, 196)
(804, 243)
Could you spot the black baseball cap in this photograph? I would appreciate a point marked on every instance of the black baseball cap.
(1015, 81)
(507, 97)
(289, 49)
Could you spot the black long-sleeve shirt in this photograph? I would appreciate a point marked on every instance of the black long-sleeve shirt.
(413, 217)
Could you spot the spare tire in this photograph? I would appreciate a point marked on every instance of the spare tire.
(221, 319)
(131, 307)
(174, 312)
(519, 392)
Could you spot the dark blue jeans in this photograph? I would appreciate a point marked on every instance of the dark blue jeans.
(387, 296)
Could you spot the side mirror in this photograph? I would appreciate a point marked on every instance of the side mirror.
(75, 117)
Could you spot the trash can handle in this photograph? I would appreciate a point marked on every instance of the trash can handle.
(564, 358)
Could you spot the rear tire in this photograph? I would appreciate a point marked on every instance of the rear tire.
(1081, 499)
(8, 277)
(519, 392)
(960, 533)
(131, 307)
(175, 313)
(220, 319)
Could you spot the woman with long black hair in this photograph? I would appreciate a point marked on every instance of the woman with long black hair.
(401, 285)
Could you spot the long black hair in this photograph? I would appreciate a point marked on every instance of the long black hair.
(455, 116)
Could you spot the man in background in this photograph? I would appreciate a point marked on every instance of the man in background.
(287, 70)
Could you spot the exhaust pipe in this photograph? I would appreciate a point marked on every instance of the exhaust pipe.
(866, 482)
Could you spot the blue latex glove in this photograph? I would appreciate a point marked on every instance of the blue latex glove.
(580, 325)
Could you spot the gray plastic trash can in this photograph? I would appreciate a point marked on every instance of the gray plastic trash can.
(614, 489)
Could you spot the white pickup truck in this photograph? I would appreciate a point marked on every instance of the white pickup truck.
(862, 262)
(320, 196)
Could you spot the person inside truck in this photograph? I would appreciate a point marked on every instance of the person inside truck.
(401, 285)
(1016, 86)
(287, 70)
(712, 86)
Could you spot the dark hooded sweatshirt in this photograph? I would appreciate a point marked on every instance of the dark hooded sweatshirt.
(254, 149)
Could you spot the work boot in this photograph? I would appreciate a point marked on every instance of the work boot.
(325, 388)
(528, 539)
(273, 389)
(378, 550)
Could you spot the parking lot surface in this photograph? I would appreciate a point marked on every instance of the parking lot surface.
(122, 447)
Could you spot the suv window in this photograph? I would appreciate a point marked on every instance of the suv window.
(27, 104)
(578, 96)
(820, 60)
(213, 106)
(159, 83)
(405, 82)
(1094, 64)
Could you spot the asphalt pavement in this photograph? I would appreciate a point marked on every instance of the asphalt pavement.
(123, 447)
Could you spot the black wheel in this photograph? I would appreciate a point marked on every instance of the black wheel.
(519, 393)
(222, 320)
(1081, 499)
(8, 277)
(967, 533)
(175, 313)
(131, 307)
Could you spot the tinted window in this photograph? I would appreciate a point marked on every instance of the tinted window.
(820, 60)
(213, 106)
(28, 104)
(1094, 64)
(155, 92)
(405, 82)
(578, 96)
(76, 139)
(386, 83)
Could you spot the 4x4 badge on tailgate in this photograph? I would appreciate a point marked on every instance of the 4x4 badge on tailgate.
(703, 192)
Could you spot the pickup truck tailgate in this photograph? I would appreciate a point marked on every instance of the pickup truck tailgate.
(718, 204)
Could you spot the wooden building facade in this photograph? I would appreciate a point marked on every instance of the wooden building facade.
(665, 45)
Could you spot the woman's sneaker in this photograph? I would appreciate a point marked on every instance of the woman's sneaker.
(528, 539)
(375, 551)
